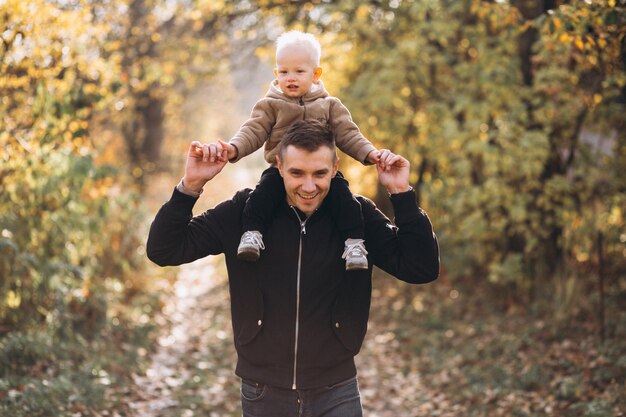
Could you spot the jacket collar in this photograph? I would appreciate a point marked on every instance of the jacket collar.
(317, 214)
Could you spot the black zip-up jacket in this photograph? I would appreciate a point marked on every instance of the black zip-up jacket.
(298, 317)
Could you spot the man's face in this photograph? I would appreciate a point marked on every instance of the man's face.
(295, 71)
(307, 176)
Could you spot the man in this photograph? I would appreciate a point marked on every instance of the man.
(298, 316)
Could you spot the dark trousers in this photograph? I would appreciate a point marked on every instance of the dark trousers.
(270, 191)
(340, 400)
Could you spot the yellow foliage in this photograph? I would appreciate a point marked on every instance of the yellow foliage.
(13, 299)
(616, 217)
(579, 43)
(362, 12)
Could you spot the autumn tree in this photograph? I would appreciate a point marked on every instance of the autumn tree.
(63, 220)
(163, 52)
(511, 115)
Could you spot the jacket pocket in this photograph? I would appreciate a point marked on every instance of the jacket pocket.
(349, 328)
(351, 309)
(253, 322)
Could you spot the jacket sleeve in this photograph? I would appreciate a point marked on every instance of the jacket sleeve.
(409, 250)
(176, 237)
(256, 130)
(347, 134)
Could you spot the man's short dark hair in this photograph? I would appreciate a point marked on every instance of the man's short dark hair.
(308, 135)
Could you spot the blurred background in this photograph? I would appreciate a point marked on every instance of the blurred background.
(512, 113)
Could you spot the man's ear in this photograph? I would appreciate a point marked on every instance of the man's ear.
(335, 166)
(317, 73)
(279, 165)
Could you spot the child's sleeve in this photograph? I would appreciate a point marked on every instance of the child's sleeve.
(347, 134)
(255, 131)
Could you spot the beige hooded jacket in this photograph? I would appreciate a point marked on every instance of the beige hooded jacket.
(274, 113)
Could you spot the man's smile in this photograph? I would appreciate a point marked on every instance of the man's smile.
(307, 196)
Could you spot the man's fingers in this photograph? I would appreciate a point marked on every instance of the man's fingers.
(212, 152)
(205, 153)
(397, 161)
(209, 152)
(195, 148)
(389, 160)
(381, 157)
(386, 157)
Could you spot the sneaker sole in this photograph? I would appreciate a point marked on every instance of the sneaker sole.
(355, 267)
(248, 256)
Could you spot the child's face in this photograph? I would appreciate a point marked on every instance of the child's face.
(295, 71)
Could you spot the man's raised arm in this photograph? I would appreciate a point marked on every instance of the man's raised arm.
(409, 252)
(175, 237)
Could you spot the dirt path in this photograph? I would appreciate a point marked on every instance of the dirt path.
(192, 370)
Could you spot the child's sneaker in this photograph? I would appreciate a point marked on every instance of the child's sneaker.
(355, 254)
(250, 246)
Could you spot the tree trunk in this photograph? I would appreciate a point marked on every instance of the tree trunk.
(154, 134)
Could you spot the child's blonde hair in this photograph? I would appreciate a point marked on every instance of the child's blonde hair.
(305, 40)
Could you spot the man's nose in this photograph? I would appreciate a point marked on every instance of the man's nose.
(308, 185)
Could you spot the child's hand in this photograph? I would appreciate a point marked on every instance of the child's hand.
(373, 157)
(231, 150)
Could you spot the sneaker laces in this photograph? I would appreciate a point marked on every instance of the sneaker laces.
(355, 245)
(253, 237)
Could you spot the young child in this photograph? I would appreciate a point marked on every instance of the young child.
(297, 93)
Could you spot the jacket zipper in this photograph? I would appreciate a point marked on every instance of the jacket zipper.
(304, 107)
(295, 348)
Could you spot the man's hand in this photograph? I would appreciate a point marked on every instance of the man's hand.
(204, 161)
(393, 172)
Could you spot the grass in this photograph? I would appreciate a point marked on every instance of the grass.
(66, 371)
